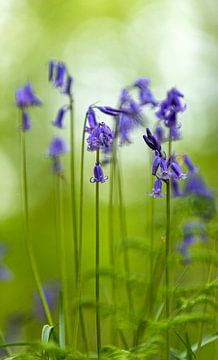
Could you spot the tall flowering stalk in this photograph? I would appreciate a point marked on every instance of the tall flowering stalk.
(26, 98)
(100, 138)
(170, 173)
(61, 79)
(57, 148)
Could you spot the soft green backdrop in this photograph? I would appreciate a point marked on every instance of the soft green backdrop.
(106, 44)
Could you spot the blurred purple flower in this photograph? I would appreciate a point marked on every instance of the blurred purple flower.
(5, 273)
(26, 97)
(170, 107)
(145, 94)
(51, 291)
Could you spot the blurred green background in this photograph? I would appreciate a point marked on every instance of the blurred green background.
(106, 44)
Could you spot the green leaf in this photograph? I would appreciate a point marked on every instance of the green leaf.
(46, 333)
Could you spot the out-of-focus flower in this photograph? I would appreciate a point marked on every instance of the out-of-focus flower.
(145, 94)
(25, 98)
(191, 167)
(58, 74)
(5, 273)
(98, 174)
(57, 147)
(51, 291)
(60, 117)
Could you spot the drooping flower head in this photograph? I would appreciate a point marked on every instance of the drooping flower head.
(145, 95)
(25, 98)
(58, 74)
(130, 117)
(57, 147)
(100, 138)
(168, 111)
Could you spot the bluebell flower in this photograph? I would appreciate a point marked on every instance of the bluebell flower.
(109, 110)
(145, 94)
(57, 147)
(159, 133)
(92, 120)
(68, 86)
(130, 117)
(98, 174)
(60, 74)
(101, 137)
(26, 97)
(26, 124)
(170, 107)
(51, 70)
(51, 291)
(152, 142)
(177, 172)
(196, 185)
(191, 167)
(191, 231)
(157, 189)
(175, 188)
(60, 77)
(156, 164)
(175, 133)
(58, 122)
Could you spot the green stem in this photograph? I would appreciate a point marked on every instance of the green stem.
(167, 253)
(97, 249)
(124, 237)
(63, 261)
(73, 192)
(79, 313)
(27, 236)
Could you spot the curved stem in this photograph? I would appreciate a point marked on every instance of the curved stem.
(97, 249)
(27, 236)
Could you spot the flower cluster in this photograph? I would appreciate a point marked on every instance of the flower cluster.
(191, 231)
(131, 111)
(169, 169)
(168, 112)
(100, 136)
(58, 74)
(25, 98)
(61, 79)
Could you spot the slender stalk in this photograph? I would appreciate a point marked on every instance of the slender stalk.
(97, 249)
(79, 313)
(63, 261)
(124, 237)
(167, 253)
(73, 192)
(27, 236)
